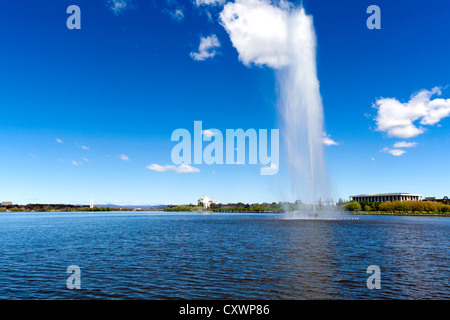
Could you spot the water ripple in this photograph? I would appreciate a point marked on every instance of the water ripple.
(224, 256)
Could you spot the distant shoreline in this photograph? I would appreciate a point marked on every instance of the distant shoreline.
(367, 213)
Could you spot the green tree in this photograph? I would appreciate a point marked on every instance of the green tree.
(353, 206)
(387, 206)
(418, 206)
(363, 204)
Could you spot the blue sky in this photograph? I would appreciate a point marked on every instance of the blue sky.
(114, 91)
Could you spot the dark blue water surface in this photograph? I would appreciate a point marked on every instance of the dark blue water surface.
(156, 255)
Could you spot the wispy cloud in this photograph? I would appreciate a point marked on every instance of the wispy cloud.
(85, 159)
(182, 168)
(206, 49)
(407, 120)
(82, 146)
(397, 148)
(176, 14)
(199, 3)
(404, 144)
(32, 156)
(270, 170)
(59, 140)
(208, 133)
(118, 6)
(174, 10)
(124, 157)
(76, 163)
(394, 152)
(326, 140)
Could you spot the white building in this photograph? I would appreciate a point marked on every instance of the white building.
(383, 197)
(206, 202)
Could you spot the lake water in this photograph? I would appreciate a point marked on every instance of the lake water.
(157, 255)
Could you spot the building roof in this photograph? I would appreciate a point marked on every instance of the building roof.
(387, 194)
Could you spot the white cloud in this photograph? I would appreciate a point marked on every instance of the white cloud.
(75, 163)
(82, 147)
(209, 2)
(59, 140)
(397, 150)
(174, 10)
(182, 168)
(394, 152)
(118, 6)
(328, 141)
(261, 31)
(269, 170)
(86, 159)
(124, 157)
(399, 119)
(206, 48)
(208, 133)
(177, 15)
(404, 144)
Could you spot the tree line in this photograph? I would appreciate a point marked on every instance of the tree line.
(53, 207)
(412, 207)
(231, 207)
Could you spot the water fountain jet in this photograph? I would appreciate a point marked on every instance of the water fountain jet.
(282, 37)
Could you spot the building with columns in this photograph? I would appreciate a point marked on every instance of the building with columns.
(206, 202)
(383, 197)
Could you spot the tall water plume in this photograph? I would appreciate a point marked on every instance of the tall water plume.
(282, 37)
(300, 105)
